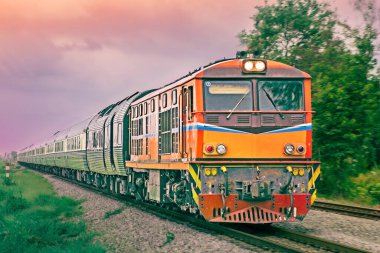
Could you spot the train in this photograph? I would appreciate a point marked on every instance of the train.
(230, 142)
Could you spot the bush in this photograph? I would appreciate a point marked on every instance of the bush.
(8, 182)
(366, 187)
(2, 194)
(15, 204)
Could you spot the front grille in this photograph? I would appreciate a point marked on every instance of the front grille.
(212, 119)
(297, 119)
(244, 119)
(267, 120)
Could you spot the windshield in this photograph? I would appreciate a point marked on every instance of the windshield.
(228, 95)
(280, 95)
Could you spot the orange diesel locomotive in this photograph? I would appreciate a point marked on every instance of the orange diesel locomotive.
(231, 141)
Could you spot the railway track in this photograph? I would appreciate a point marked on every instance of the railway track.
(300, 242)
(253, 237)
(361, 212)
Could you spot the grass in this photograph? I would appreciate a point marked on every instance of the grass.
(113, 212)
(29, 183)
(34, 219)
(169, 238)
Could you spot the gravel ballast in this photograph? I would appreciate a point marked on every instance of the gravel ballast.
(133, 230)
(356, 232)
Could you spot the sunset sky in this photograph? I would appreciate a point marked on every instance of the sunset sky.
(63, 60)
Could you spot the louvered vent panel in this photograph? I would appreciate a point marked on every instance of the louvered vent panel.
(243, 119)
(297, 119)
(268, 120)
(212, 119)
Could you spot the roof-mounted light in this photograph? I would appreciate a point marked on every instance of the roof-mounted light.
(254, 66)
(248, 65)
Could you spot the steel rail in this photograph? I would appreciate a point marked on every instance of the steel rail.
(361, 212)
(313, 241)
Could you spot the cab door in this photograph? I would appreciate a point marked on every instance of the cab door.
(186, 118)
(183, 121)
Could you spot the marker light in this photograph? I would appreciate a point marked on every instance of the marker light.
(221, 149)
(300, 149)
(207, 172)
(209, 149)
(214, 171)
(289, 149)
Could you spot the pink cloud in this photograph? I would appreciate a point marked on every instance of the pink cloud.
(61, 61)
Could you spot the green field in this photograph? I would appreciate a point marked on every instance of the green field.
(34, 219)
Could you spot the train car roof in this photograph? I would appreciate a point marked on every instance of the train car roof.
(74, 130)
(232, 68)
(225, 68)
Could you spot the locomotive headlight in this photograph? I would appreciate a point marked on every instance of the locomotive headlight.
(295, 171)
(221, 149)
(301, 172)
(248, 65)
(260, 66)
(214, 171)
(289, 149)
(207, 172)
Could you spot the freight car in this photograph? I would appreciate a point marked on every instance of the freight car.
(231, 141)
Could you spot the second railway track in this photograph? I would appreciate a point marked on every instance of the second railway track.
(267, 238)
(361, 212)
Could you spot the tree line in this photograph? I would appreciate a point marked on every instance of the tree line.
(308, 35)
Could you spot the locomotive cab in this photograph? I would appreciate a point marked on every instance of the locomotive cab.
(255, 109)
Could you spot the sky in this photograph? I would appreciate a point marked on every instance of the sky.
(63, 60)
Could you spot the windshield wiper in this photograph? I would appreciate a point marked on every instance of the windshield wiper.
(238, 103)
(273, 103)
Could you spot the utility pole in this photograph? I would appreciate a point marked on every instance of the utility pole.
(7, 170)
